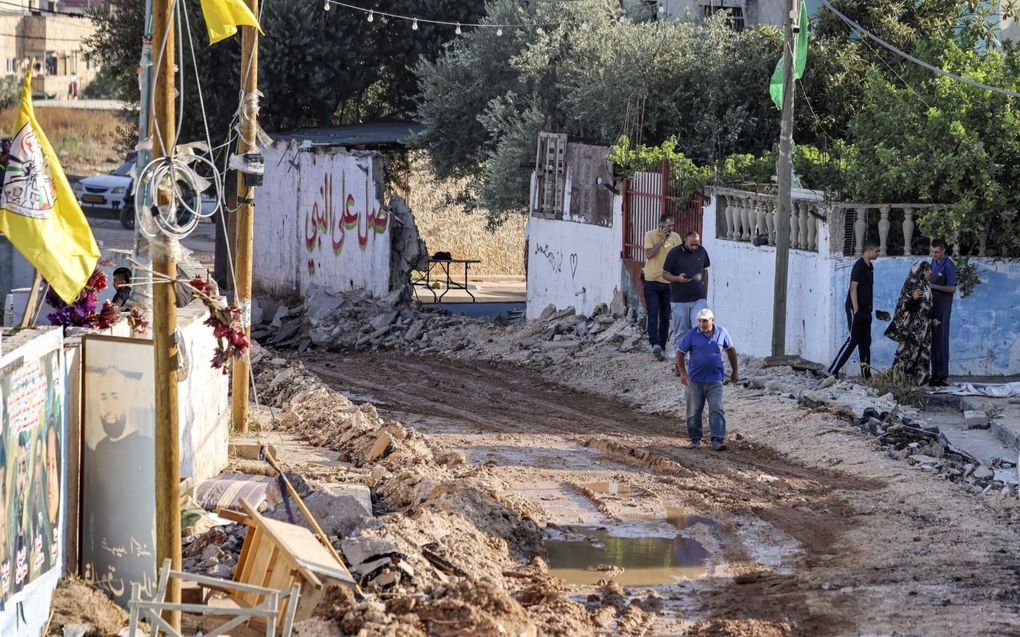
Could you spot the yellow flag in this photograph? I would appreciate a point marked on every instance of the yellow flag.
(222, 17)
(39, 213)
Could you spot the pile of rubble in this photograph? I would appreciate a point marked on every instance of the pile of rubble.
(924, 446)
(901, 430)
(355, 321)
(435, 544)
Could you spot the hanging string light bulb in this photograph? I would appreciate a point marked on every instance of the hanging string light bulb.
(414, 25)
(499, 31)
(325, 6)
(457, 30)
(371, 16)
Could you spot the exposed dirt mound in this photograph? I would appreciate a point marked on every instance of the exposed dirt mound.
(75, 602)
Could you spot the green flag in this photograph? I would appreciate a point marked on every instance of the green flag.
(799, 59)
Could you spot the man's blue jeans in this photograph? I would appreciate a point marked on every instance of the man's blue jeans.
(697, 395)
(684, 318)
(657, 303)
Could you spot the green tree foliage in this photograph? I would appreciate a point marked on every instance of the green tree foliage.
(316, 67)
(595, 74)
(960, 149)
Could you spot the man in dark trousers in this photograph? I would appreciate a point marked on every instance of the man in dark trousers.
(658, 242)
(686, 269)
(943, 285)
(703, 377)
(859, 306)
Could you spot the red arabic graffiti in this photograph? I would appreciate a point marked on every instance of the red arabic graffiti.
(324, 221)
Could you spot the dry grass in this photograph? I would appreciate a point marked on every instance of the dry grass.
(85, 140)
(446, 226)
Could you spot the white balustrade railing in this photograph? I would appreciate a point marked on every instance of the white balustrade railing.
(749, 216)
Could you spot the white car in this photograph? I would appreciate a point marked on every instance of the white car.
(105, 192)
(108, 193)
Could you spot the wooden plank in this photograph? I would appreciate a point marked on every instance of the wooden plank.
(32, 305)
(243, 568)
(258, 573)
(234, 516)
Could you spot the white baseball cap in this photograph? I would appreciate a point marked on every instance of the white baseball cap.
(705, 315)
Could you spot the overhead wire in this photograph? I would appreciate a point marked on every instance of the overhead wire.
(449, 23)
(916, 60)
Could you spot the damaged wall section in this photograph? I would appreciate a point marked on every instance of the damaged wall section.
(323, 221)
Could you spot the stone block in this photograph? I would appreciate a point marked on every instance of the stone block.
(976, 419)
(382, 444)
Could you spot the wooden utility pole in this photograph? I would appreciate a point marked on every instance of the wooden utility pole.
(245, 217)
(164, 316)
(784, 202)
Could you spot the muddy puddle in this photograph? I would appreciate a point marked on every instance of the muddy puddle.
(588, 555)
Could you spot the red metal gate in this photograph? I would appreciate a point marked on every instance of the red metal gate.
(646, 196)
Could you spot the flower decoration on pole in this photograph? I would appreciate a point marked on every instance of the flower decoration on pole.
(83, 311)
(231, 340)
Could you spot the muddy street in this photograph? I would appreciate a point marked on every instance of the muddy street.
(801, 527)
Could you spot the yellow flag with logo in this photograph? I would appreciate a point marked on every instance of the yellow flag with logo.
(222, 17)
(39, 213)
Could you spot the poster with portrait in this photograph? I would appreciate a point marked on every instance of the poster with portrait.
(118, 516)
(31, 464)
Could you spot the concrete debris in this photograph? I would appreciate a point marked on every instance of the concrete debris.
(925, 447)
(407, 250)
(976, 419)
(443, 532)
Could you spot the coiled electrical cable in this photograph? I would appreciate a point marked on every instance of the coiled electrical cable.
(162, 202)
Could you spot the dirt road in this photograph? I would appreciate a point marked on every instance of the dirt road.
(810, 529)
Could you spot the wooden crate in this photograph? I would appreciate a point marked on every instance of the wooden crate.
(276, 555)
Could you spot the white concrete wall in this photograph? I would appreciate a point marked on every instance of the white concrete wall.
(742, 288)
(203, 400)
(573, 263)
(320, 219)
(984, 330)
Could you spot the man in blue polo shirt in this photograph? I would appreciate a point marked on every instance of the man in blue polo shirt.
(943, 286)
(704, 381)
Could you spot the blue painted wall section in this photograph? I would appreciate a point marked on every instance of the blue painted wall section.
(985, 327)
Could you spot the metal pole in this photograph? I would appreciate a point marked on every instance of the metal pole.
(142, 295)
(784, 202)
(245, 217)
(164, 317)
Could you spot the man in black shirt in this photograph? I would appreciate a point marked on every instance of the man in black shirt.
(859, 306)
(686, 269)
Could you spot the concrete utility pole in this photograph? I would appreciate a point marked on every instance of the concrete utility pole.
(164, 317)
(784, 201)
(245, 217)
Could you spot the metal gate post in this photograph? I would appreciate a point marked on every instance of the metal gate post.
(626, 217)
(664, 187)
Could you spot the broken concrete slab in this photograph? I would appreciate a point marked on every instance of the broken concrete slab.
(358, 551)
(338, 514)
(618, 308)
(383, 319)
(382, 444)
(281, 313)
(321, 303)
(976, 419)
(983, 473)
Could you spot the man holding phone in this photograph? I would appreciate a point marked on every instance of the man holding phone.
(658, 243)
(686, 269)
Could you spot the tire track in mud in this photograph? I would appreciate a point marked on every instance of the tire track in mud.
(869, 551)
(502, 398)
